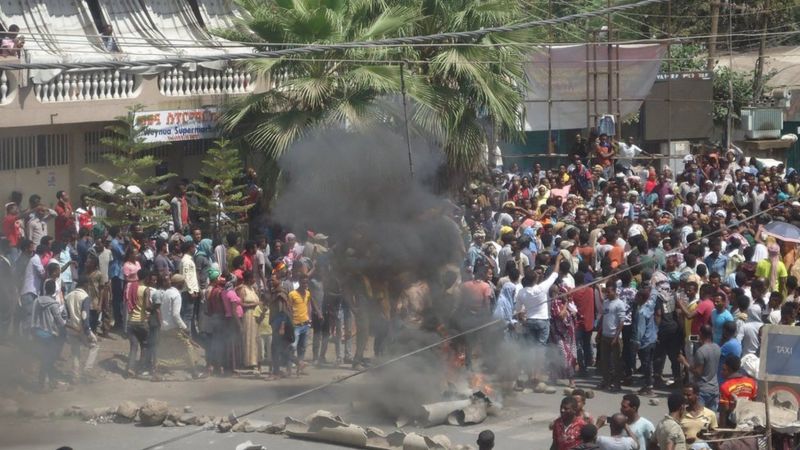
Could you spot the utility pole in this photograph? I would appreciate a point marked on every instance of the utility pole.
(758, 79)
(712, 40)
(610, 68)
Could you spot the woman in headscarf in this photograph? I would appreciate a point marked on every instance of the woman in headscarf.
(650, 194)
(202, 262)
(247, 293)
(233, 324)
(563, 314)
(773, 270)
(215, 321)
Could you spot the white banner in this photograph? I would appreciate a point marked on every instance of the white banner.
(638, 68)
(178, 125)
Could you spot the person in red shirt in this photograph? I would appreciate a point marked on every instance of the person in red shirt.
(249, 255)
(737, 385)
(567, 428)
(604, 151)
(65, 216)
(702, 314)
(478, 293)
(12, 225)
(585, 298)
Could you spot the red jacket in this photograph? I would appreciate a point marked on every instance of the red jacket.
(64, 219)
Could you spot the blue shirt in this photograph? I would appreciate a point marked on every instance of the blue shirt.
(732, 347)
(717, 321)
(117, 257)
(505, 303)
(644, 321)
(718, 264)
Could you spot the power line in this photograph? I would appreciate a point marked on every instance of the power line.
(320, 48)
(702, 16)
(745, 36)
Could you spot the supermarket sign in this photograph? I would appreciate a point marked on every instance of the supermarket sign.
(178, 125)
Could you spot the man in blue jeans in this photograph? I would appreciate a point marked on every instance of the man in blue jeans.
(533, 308)
(645, 334)
(610, 349)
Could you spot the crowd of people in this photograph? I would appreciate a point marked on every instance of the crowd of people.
(215, 304)
(619, 266)
(600, 263)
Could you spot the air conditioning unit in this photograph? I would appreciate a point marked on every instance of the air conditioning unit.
(762, 123)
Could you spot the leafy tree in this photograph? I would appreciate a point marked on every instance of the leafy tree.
(133, 194)
(223, 198)
(457, 94)
(742, 82)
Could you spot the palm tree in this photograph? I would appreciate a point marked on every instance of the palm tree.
(458, 94)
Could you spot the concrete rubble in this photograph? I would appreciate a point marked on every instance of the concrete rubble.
(323, 426)
(153, 412)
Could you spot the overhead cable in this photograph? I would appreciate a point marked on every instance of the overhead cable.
(322, 48)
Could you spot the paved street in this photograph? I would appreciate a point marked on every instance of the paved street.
(521, 424)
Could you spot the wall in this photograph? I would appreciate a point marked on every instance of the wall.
(49, 179)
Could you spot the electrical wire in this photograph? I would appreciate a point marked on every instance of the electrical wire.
(315, 49)
(679, 39)
(701, 16)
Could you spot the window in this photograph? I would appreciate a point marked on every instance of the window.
(26, 152)
(197, 148)
(95, 149)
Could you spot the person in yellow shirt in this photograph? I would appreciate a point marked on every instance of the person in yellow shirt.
(773, 270)
(696, 417)
(302, 308)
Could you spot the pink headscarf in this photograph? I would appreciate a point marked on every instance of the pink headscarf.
(774, 260)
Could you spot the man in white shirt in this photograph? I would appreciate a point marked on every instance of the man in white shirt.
(533, 310)
(627, 151)
(533, 305)
(173, 327)
(622, 438)
(171, 306)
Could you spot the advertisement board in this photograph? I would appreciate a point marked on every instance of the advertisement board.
(178, 125)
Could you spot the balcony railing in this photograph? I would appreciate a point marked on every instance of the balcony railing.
(93, 85)
(179, 82)
(6, 88)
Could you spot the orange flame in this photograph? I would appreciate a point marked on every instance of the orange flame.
(478, 382)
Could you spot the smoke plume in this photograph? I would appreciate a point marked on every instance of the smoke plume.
(357, 189)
